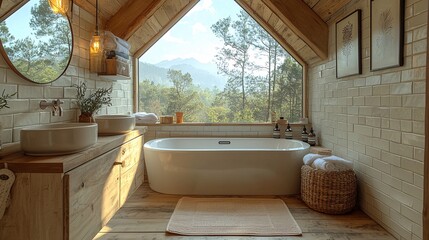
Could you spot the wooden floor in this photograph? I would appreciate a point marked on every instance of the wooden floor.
(145, 216)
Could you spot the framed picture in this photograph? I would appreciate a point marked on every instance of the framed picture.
(348, 45)
(387, 34)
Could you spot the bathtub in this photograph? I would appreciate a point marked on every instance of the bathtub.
(225, 166)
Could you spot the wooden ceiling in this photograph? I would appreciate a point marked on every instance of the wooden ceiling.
(299, 25)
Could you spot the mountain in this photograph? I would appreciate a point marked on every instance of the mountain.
(202, 74)
(209, 67)
(153, 73)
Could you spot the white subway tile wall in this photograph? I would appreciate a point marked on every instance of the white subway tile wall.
(24, 107)
(382, 126)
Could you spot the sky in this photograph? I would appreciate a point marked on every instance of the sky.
(18, 23)
(192, 37)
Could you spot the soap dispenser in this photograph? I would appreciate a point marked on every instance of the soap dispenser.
(304, 134)
(312, 137)
(276, 131)
(288, 132)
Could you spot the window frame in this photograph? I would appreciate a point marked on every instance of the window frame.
(293, 53)
(305, 101)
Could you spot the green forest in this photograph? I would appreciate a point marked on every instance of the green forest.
(256, 86)
(44, 53)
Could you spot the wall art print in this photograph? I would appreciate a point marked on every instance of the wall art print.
(348, 45)
(387, 34)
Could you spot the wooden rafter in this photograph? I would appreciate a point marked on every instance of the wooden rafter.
(8, 7)
(165, 29)
(302, 20)
(129, 18)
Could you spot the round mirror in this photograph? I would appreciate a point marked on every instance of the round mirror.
(37, 43)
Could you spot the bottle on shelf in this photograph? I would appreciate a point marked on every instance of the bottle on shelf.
(276, 131)
(281, 121)
(304, 134)
(288, 132)
(312, 137)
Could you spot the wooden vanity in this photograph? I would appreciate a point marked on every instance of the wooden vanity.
(72, 196)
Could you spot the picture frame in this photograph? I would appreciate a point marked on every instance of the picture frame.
(348, 45)
(387, 34)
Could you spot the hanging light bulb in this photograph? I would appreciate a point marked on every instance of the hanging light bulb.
(96, 47)
(95, 44)
(59, 6)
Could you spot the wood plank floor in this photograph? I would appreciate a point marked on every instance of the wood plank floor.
(145, 216)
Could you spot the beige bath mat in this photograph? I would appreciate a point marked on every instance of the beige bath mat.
(232, 216)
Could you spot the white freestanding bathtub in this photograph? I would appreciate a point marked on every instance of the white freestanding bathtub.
(225, 166)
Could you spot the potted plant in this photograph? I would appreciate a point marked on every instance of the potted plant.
(90, 104)
(3, 99)
(3, 104)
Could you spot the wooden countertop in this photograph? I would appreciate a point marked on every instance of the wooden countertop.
(19, 162)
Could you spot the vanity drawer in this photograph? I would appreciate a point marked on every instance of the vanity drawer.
(93, 195)
(131, 153)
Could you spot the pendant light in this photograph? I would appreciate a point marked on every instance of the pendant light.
(59, 6)
(96, 44)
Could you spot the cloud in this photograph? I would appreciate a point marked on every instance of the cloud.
(171, 39)
(203, 5)
(198, 28)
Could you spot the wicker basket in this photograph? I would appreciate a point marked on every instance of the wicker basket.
(332, 192)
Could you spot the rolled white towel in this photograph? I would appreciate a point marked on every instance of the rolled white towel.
(146, 118)
(338, 160)
(332, 165)
(309, 158)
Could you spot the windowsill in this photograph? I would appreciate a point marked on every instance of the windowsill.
(214, 124)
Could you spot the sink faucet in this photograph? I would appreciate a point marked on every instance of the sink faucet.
(55, 104)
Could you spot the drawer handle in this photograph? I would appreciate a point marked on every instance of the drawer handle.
(120, 163)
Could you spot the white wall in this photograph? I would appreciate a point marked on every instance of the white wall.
(24, 108)
(376, 119)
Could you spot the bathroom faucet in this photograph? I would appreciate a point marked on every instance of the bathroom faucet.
(55, 104)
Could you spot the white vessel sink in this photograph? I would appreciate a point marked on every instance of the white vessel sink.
(58, 139)
(115, 124)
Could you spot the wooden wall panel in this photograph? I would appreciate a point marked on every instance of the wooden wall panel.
(304, 22)
(325, 8)
(132, 16)
(311, 3)
(7, 7)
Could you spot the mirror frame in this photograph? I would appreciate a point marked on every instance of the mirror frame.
(10, 64)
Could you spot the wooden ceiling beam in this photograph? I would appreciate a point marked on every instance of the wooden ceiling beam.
(130, 17)
(302, 20)
(8, 7)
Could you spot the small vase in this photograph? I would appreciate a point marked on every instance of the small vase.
(86, 118)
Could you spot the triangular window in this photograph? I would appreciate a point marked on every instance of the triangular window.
(218, 65)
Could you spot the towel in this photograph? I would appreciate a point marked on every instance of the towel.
(114, 43)
(309, 158)
(145, 118)
(332, 163)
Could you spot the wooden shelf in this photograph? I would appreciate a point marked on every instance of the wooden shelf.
(113, 77)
